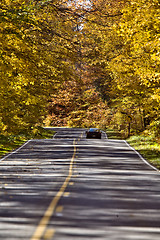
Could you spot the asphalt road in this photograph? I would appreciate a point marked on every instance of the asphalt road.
(73, 188)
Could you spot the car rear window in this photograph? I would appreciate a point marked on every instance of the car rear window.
(93, 129)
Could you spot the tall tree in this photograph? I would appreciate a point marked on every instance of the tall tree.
(37, 52)
(136, 69)
(124, 58)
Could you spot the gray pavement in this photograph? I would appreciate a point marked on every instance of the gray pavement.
(70, 187)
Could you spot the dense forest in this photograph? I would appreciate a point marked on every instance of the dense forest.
(80, 64)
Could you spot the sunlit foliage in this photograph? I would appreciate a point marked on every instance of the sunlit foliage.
(86, 62)
(123, 53)
(36, 55)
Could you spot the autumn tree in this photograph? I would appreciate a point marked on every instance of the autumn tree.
(136, 69)
(124, 58)
(37, 51)
(79, 60)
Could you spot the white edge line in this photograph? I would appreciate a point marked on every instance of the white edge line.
(15, 151)
(105, 134)
(54, 135)
(146, 162)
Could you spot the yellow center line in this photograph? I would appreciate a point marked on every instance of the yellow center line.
(49, 234)
(50, 210)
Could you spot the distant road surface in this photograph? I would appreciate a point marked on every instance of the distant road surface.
(73, 188)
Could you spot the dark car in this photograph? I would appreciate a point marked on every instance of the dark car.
(93, 133)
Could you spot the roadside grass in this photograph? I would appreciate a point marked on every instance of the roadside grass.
(148, 147)
(12, 142)
(8, 143)
(113, 134)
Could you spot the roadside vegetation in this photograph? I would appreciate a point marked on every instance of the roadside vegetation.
(113, 134)
(148, 147)
(9, 143)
